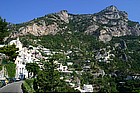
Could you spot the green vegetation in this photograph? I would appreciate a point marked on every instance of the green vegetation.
(11, 69)
(48, 79)
(84, 48)
(32, 69)
(3, 30)
(1, 67)
(10, 51)
(87, 54)
(27, 86)
(130, 86)
(132, 23)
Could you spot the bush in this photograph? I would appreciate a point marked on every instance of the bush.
(0, 67)
(11, 69)
(1, 84)
(27, 86)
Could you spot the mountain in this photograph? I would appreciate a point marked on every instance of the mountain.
(103, 48)
(106, 24)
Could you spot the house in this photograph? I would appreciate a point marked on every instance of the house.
(47, 51)
(2, 46)
(86, 68)
(18, 44)
(88, 88)
(62, 68)
(26, 55)
(136, 76)
(69, 63)
(20, 66)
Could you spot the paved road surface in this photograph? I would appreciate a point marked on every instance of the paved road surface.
(12, 88)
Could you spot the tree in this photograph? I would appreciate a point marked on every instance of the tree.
(11, 69)
(106, 84)
(3, 30)
(32, 68)
(10, 51)
(129, 86)
(48, 79)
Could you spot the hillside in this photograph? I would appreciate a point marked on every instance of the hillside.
(104, 48)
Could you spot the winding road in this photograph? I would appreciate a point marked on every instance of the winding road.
(12, 88)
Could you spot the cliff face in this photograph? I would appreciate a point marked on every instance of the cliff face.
(115, 23)
(105, 24)
(42, 26)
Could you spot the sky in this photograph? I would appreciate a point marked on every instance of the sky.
(18, 11)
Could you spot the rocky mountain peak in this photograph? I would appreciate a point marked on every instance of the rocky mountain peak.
(112, 12)
(112, 22)
(106, 24)
(63, 14)
(111, 8)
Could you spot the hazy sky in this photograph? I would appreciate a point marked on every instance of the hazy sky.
(17, 11)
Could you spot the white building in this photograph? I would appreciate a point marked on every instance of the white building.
(62, 68)
(20, 60)
(3, 73)
(88, 88)
(17, 43)
(2, 46)
(26, 55)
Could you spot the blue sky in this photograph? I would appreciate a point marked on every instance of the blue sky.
(17, 11)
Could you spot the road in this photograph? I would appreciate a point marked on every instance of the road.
(12, 88)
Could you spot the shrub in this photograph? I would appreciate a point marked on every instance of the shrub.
(11, 69)
(27, 86)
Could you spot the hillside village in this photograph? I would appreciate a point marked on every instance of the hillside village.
(74, 53)
(33, 55)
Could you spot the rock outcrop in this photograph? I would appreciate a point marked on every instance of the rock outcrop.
(105, 24)
(36, 30)
(114, 23)
(64, 16)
